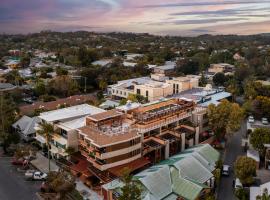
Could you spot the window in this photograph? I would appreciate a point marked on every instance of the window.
(147, 93)
(63, 133)
(138, 91)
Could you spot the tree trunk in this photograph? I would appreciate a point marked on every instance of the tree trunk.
(49, 156)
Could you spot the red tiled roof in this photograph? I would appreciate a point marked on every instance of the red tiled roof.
(69, 101)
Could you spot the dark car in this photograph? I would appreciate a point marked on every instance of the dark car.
(19, 161)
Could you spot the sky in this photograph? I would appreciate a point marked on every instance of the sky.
(160, 17)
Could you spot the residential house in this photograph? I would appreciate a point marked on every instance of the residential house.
(167, 69)
(256, 191)
(13, 64)
(25, 127)
(225, 68)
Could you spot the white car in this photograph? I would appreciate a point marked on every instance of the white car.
(39, 176)
(226, 170)
(29, 173)
(265, 121)
(251, 119)
(238, 184)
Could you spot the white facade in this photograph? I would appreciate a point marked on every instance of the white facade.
(153, 88)
(66, 121)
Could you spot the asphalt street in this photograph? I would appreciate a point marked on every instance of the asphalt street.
(232, 151)
(13, 185)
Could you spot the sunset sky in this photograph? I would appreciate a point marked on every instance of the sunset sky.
(173, 17)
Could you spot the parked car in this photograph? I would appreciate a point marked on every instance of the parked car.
(237, 184)
(39, 176)
(265, 121)
(20, 161)
(28, 100)
(251, 119)
(226, 170)
(29, 173)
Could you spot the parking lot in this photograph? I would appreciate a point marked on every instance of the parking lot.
(13, 184)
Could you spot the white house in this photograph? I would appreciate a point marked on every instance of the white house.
(25, 126)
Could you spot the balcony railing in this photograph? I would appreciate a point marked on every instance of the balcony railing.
(158, 124)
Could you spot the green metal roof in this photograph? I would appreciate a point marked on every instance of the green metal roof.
(184, 188)
(209, 153)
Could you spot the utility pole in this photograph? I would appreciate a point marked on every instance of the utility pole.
(85, 84)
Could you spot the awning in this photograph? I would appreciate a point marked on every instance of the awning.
(132, 166)
(40, 139)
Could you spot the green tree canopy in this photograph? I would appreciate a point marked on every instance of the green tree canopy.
(131, 189)
(258, 138)
(61, 182)
(63, 86)
(225, 118)
(245, 169)
(7, 115)
(61, 71)
(219, 79)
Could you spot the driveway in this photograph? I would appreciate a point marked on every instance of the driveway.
(13, 185)
(232, 151)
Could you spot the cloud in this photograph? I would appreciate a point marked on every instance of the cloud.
(153, 16)
(206, 3)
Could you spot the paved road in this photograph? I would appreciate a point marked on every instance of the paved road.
(233, 150)
(13, 186)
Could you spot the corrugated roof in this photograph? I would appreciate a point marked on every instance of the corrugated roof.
(158, 182)
(209, 153)
(183, 175)
(183, 187)
(26, 124)
(70, 112)
(191, 168)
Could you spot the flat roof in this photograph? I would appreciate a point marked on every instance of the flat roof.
(73, 124)
(159, 104)
(105, 115)
(129, 106)
(70, 112)
(101, 139)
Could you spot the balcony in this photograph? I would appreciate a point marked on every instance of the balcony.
(117, 152)
(162, 122)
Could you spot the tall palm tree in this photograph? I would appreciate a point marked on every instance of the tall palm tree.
(46, 130)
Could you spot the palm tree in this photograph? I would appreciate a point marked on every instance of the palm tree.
(46, 130)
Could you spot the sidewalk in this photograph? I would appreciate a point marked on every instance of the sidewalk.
(87, 192)
(42, 163)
